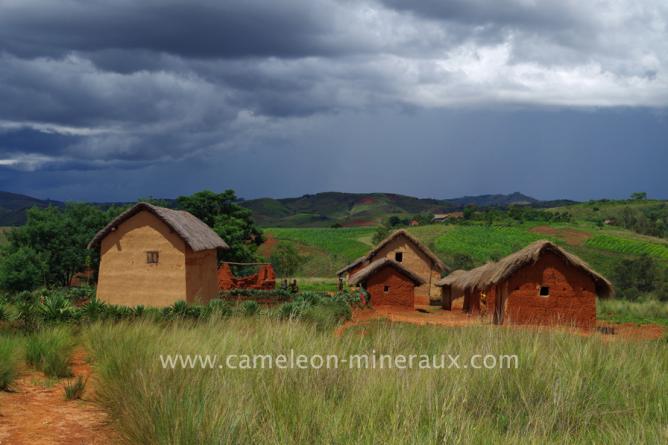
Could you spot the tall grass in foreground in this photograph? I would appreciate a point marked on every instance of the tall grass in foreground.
(625, 311)
(50, 351)
(10, 358)
(567, 389)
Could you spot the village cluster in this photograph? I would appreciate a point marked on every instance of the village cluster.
(155, 256)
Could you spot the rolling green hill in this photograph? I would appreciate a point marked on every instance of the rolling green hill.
(365, 209)
(329, 249)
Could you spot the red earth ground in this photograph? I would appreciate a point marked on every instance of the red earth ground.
(268, 246)
(571, 236)
(37, 413)
(435, 316)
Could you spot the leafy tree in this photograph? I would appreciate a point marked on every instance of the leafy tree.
(58, 237)
(639, 275)
(394, 221)
(469, 211)
(228, 219)
(381, 233)
(285, 260)
(21, 269)
(638, 196)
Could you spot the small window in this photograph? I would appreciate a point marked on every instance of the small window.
(386, 289)
(398, 257)
(544, 291)
(152, 257)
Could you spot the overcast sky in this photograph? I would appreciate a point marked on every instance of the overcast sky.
(113, 100)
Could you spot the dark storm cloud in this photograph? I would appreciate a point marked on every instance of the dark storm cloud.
(96, 84)
(190, 29)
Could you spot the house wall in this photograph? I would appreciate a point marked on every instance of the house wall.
(572, 298)
(418, 263)
(401, 289)
(126, 279)
(201, 275)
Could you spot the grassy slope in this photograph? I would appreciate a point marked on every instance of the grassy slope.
(605, 209)
(566, 389)
(329, 249)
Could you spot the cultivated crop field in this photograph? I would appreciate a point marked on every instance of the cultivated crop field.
(329, 249)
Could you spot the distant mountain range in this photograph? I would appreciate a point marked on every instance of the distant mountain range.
(360, 209)
(321, 209)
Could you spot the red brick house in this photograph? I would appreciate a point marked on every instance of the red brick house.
(387, 283)
(540, 284)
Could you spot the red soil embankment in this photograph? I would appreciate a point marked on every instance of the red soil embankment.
(571, 236)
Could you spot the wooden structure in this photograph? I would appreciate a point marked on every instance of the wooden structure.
(265, 278)
(540, 284)
(388, 283)
(414, 256)
(154, 256)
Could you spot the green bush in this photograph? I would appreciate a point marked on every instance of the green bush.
(249, 308)
(50, 351)
(4, 312)
(322, 310)
(21, 269)
(55, 307)
(9, 361)
(93, 310)
(256, 294)
(218, 308)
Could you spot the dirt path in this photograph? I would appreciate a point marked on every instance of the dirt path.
(429, 316)
(38, 414)
(436, 316)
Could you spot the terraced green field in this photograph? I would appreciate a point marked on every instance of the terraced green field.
(330, 249)
(628, 246)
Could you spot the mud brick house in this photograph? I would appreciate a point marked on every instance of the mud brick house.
(388, 283)
(540, 284)
(414, 256)
(155, 256)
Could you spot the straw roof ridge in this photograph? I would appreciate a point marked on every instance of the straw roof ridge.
(196, 234)
(351, 265)
(491, 274)
(367, 271)
(424, 249)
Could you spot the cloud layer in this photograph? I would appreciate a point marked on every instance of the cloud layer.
(90, 84)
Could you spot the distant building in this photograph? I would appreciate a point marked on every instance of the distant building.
(414, 256)
(387, 283)
(443, 217)
(414, 222)
(154, 256)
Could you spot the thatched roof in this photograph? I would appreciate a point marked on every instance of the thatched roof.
(490, 274)
(399, 233)
(359, 260)
(362, 275)
(196, 234)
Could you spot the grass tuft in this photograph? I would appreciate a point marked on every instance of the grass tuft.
(74, 389)
(50, 351)
(10, 358)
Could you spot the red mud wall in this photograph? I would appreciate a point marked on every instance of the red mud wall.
(265, 278)
(401, 290)
(571, 300)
